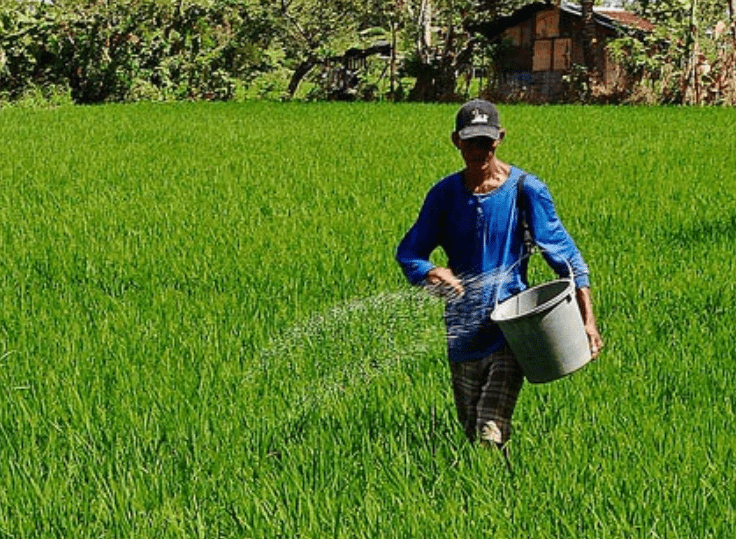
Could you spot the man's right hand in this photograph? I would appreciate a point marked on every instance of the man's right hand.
(442, 281)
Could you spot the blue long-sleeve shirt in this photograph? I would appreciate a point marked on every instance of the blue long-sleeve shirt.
(480, 234)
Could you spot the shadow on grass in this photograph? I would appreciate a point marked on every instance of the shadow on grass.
(699, 232)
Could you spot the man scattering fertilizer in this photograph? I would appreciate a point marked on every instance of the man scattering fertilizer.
(473, 216)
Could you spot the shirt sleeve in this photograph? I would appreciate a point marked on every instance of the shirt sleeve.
(556, 244)
(422, 238)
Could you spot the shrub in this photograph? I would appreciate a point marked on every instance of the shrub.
(131, 49)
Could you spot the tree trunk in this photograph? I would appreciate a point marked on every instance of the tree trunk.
(424, 40)
(692, 90)
(589, 36)
(425, 85)
(392, 64)
(299, 73)
(732, 16)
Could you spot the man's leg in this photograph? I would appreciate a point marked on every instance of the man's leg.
(468, 378)
(498, 396)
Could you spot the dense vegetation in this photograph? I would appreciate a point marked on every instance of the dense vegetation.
(203, 332)
(131, 50)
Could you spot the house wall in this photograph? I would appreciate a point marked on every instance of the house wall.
(542, 50)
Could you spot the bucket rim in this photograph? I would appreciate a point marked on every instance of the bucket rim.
(570, 286)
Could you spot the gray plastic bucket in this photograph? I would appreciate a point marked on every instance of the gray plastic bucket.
(544, 328)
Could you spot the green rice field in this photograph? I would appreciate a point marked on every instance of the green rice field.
(203, 332)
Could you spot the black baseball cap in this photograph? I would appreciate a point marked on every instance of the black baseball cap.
(478, 118)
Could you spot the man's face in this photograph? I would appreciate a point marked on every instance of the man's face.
(477, 151)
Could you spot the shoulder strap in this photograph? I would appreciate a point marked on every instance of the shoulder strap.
(527, 239)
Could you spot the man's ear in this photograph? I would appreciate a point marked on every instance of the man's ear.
(497, 142)
(456, 139)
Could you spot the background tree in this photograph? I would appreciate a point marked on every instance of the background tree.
(309, 32)
(130, 49)
(689, 59)
(208, 49)
(443, 48)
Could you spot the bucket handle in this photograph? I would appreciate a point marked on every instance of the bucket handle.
(528, 254)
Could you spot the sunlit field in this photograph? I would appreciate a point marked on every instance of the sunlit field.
(203, 332)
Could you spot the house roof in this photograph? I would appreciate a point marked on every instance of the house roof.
(493, 29)
(626, 18)
(613, 18)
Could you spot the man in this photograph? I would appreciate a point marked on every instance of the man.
(473, 216)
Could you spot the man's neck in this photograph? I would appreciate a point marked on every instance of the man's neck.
(488, 178)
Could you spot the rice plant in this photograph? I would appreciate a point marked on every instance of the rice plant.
(203, 332)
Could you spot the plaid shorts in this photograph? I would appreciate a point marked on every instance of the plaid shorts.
(486, 392)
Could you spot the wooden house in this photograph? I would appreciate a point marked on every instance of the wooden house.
(543, 41)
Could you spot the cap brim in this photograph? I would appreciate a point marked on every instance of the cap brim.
(479, 131)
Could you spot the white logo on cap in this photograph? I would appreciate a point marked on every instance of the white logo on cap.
(479, 117)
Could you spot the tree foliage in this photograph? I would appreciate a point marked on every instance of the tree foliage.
(101, 51)
(690, 58)
(123, 50)
(310, 32)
